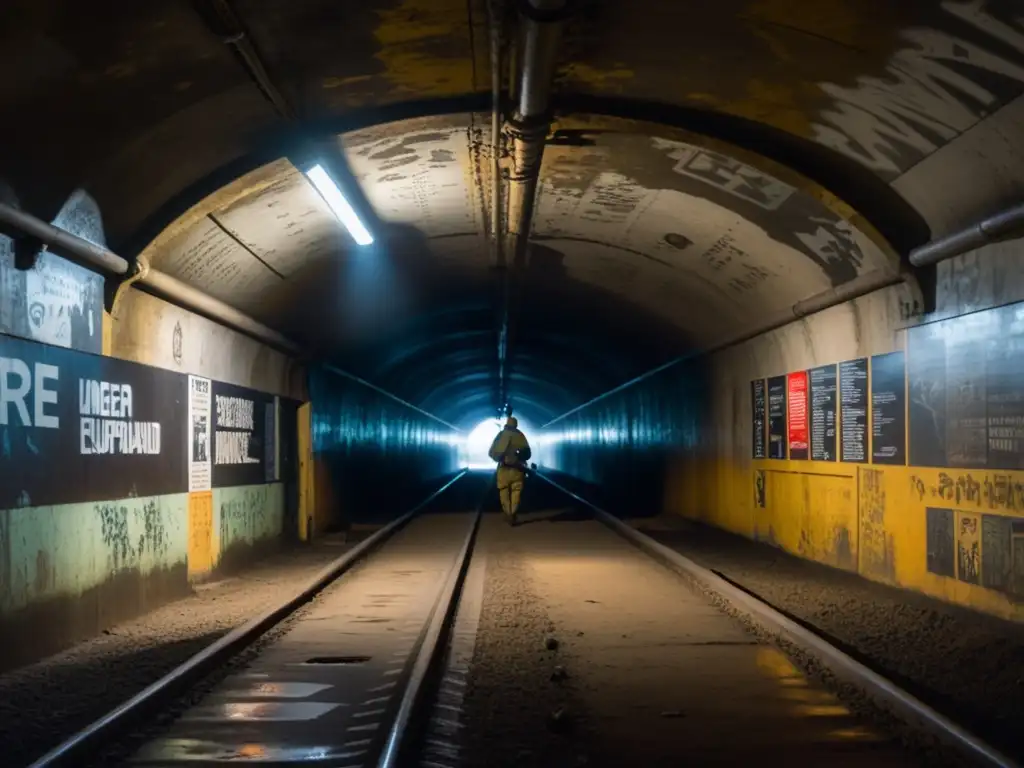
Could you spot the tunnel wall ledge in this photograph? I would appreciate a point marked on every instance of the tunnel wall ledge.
(941, 525)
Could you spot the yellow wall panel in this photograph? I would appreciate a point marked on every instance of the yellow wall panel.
(200, 533)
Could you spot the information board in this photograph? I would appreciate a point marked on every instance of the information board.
(823, 386)
(888, 409)
(966, 391)
(243, 434)
(777, 417)
(796, 394)
(757, 398)
(853, 409)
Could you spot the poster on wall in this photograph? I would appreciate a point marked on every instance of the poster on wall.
(77, 427)
(200, 475)
(824, 391)
(853, 410)
(777, 417)
(243, 432)
(55, 301)
(966, 394)
(888, 409)
(757, 397)
(798, 433)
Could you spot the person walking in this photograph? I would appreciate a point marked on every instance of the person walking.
(511, 450)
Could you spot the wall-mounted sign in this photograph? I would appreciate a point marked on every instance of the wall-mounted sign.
(888, 409)
(200, 475)
(797, 396)
(759, 405)
(853, 409)
(777, 417)
(79, 427)
(243, 436)
(966, 393)
(822, 381)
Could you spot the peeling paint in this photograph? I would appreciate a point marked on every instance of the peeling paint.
(248, 515)
(424, 47)
(934, 89)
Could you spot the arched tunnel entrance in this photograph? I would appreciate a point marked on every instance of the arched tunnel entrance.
(747, 273)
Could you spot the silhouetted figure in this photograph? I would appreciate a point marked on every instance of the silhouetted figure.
(511, 451)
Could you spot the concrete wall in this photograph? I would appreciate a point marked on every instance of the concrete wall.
(70, 569)
(951, 531)
(374, 456)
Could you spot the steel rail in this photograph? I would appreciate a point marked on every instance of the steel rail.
(878, 687)
(431, 650)
(73, 750)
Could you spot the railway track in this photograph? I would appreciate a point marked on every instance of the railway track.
(403, 675)
(121, 736)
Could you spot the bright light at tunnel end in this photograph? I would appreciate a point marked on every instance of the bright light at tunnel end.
(474, 450)
(342, 208)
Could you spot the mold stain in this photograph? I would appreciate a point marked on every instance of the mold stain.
(244, 517)
(116, 525)
(424, 52)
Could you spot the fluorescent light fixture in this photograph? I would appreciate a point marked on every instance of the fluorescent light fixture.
(342, 209)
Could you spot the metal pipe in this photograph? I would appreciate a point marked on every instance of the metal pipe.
(16, 223)
(853, 289)
(542, 26)
(1002, 226)
(527, 130)
(496, 196)
(193, 299)
(540, 49)
(222, 17)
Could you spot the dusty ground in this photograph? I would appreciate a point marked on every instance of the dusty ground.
(510, 696)
(967, 665)
(655, 674)
(45, 702)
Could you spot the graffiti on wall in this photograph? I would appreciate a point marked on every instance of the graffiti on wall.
(934, 89)
(877, 555)
(130, 531)
(968, 548)
(990, 491)
(796, 220)
(245, 516)
(732, 176)
(985, 550)
(759, 488)
(55, 302)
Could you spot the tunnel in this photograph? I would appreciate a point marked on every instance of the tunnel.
(748, 274)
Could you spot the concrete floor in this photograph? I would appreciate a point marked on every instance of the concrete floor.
(666, 678)
(653, 673)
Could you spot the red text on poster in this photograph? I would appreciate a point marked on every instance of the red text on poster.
(798, 439)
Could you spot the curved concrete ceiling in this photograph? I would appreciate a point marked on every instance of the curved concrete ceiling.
(711, 165)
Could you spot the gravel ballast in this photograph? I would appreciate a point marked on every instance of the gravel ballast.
(48, 701)
(591, 653)
(967, 665)
(520, 707)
